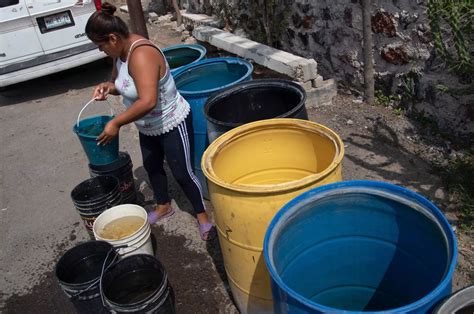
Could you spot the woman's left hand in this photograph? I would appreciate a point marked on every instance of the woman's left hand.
(111, 130)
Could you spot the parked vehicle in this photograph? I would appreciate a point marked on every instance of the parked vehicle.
(38, 38)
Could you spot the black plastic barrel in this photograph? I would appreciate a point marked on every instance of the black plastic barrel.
(78, 272)
(252, 101)
(138, 283)
(93, 196)
(122, 169)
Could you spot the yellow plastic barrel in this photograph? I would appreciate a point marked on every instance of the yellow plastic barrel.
(252, 171)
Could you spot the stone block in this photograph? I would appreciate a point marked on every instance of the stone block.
(321, 95)
(298, 68)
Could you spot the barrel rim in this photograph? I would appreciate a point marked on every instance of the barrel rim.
(204, 62)
(253, 84)
(221, 142)
(369, 185)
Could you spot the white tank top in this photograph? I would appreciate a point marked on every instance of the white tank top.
(171, 108)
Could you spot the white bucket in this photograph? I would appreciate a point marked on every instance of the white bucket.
(138, 242)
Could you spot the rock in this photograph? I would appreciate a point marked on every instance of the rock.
(383, 22)
(350, 122)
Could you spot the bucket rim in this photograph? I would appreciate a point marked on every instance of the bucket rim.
(367, 185)
(238, 132)
(152, 297)
(96, 199)
(253, 84)
(75, 128)
(123, 160)
(201, 63)
(107, 211)
(76, 247)
(197, 47)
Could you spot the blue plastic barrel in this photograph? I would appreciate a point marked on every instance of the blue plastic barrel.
(180, 55)
(359, 247)
(197, 82)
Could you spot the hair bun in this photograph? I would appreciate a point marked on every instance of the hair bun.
(108, 8)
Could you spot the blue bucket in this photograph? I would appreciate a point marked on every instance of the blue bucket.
(359, 247)
(181, 55)
(197, 82)
(88, 130)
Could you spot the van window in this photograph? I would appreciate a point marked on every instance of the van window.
(6, 3)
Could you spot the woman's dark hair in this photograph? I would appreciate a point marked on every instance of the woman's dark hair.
(104, 22)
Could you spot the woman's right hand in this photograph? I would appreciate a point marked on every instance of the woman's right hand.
(102, 90)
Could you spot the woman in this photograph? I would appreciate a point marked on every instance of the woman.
(142, 76)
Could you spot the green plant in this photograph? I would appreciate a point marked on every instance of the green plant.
(383, 100)
(452, 29)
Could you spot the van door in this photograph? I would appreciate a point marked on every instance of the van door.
(60, 23)
(18, 38)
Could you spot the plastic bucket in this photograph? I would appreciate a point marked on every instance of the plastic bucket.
(253, 170)
(122, 169)
(358, 247)
(461, 302)
(252, 101)
(88, 131)
(78, 272)
(137, 284)
(197, 82)
(93, 196)
(137, 242)
(180, 55)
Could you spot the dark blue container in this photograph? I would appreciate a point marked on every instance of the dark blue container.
(180, 55)
(359, 247)
(197, 82)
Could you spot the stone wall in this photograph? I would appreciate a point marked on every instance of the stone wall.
(330, 31)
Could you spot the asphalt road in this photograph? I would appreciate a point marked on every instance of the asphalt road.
(41, 162)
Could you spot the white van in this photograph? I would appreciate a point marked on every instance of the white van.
(40, 37)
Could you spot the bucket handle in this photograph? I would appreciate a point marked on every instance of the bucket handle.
(85, 106)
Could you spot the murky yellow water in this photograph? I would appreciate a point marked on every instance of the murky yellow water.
(122, 227)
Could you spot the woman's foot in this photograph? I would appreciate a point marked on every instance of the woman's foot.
(160, 212)
(207, 231)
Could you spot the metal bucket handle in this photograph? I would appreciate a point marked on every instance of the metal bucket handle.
(85, 106)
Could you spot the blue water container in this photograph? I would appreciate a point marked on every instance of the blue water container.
(197, 82)
(359, 247)
(181, 55)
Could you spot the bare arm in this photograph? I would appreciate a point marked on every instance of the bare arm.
(102, 90)
(145, 66)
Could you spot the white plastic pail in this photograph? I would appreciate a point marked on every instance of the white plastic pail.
(138, 242)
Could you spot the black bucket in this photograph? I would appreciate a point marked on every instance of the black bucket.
(252, 101)
(122, 169)
(78, 272)
(93, 196)
(138, 283)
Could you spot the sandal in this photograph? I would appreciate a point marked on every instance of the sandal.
(207, 231)
(153, 217)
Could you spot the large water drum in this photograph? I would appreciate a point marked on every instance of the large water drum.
(252, 101)
(182, 54)
(359, 247)
(253, 170)
(197, 82)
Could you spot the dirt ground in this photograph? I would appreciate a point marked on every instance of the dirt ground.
(379, 145)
